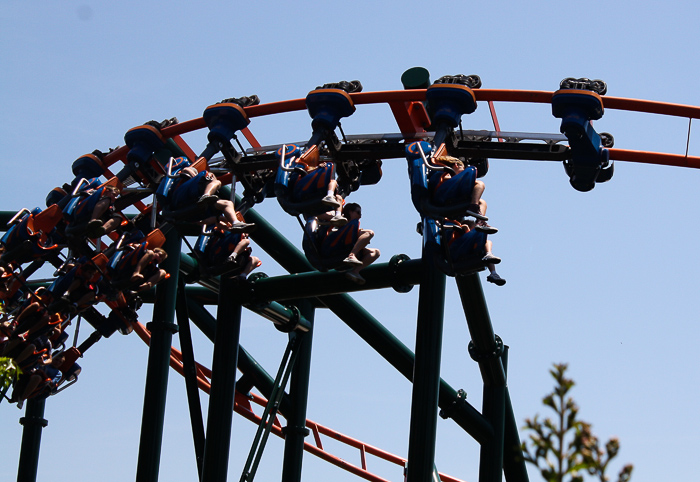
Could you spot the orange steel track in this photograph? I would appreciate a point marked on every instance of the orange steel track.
(244, 407)
(486, 95)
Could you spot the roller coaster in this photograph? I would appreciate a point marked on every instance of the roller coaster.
(114, 237)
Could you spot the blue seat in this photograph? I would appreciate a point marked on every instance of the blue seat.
(213, 249)
(421, 194)
(447, 103)
(182, 208)
(31, 235)
(312, 244)
(224, 120)
(453, 260)
(287, 175)
(576, 109)
(327, 106)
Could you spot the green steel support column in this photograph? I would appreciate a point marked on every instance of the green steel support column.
(485, 345)
(426, 374)
(33, 422)
(223, 384)
(190, 371)
(162, 329)
(296, 430)
(513, 464)
(491, 456)
(500, 454)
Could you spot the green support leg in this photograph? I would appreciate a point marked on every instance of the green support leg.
(223, 384)
(298, 392)
(513, 464)
(426, 374)
(33, 422)
(499, 454)
(162, 329)
(190, 373)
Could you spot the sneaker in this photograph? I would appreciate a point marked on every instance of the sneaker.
(497, 280)
(491, 258)
(355, 278)
(339, 220)
(484, 227)
(206, 199)
(473, 211)
(352, 259)
(331, 201)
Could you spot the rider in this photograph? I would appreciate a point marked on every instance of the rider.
(319, 176)
(201, 188)
(463, 184)
(104, 218)
(146, 273)
(353, 240)
(461, 245)
(231, 251)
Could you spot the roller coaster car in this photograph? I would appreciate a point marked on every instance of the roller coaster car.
(212, 251)
(78, 211)
(143, 142)
(447, 103)
(122, 263)
(69, 376)
(420, 171)
(89, 272)
(88, 166)
(286, 191)
(29, 235)
(437, 237)
(224, 120)
(326, 107)
(189, 210)
(10, 290)
(312, 244)
(590, 161)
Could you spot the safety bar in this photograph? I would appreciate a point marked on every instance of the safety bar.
(17, 216)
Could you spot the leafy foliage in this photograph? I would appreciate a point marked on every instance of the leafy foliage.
(565, 449)
(9, 371)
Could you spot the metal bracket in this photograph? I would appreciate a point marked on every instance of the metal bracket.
(495, 352)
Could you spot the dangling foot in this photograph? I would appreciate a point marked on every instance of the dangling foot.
(484, 227)
(338, 220)
(352, 259)
(474, 211)
(491, 258)
(206, 199)
(497, 280)
(330, 201)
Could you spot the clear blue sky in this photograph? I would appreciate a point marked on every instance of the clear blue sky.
(603, 280)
